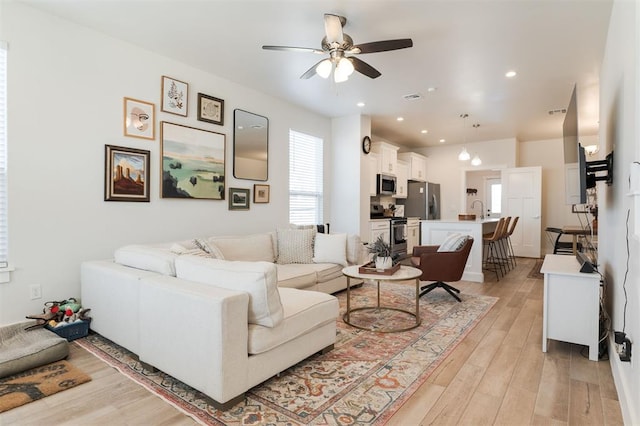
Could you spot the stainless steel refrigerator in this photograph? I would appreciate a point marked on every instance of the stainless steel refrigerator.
(423, 200)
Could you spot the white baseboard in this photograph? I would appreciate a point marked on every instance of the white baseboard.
(622, 379)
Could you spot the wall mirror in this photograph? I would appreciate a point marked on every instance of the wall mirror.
(250, 146)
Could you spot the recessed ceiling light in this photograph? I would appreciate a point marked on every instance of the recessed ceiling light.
(360, 104)
(510, 74)
(424, 131)
(432, 89)
(443, 140)
(400, 118)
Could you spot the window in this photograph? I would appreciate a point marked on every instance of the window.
(305, 179)
(3, 156)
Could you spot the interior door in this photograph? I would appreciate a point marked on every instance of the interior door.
(493, 191)
(521, 196)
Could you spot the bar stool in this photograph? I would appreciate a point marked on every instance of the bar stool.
(493, 258)
(504, 244)
(512, 254)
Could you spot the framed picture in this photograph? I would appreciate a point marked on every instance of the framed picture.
(238, 199)
(126, 174)
(175, 96)
(260, 193)
(139, 119)
(210, 109)
(192, 162)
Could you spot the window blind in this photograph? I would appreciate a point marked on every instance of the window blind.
(4, 232)
(305, 179)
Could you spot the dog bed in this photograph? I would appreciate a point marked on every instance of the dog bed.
(21, 350)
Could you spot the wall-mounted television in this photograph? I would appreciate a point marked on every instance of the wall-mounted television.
(580, 174)
(574, 155)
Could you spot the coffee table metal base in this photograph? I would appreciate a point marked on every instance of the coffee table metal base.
(416, 315)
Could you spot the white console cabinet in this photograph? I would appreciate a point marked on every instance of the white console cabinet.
(571, 311)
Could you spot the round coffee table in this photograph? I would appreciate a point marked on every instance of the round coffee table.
(403, 274)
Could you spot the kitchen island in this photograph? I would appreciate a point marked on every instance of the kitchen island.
(434, 232)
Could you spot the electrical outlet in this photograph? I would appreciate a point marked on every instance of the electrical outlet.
(35, 291)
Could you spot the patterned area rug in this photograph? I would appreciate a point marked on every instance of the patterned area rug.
(34, 384)
(364, 380)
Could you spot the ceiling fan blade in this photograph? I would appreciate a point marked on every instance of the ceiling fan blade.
(294, 49)
(364, 68)
(333, 28)
(311, 71)
(382, 46)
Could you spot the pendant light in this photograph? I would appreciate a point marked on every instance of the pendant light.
(476, 159)
(464, 154)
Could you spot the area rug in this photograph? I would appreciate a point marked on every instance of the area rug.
(34, 384)
(363, 380)
(535, 271)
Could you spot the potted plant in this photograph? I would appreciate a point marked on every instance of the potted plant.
(381, 253)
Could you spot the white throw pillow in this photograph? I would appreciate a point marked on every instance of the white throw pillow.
(259, 279)
(330, 248)
(295, 245)
(453, 242)
(354, 248)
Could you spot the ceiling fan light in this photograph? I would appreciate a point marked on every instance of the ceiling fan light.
(324, 68)
(464, 155)
(344, 68)
(476, 161)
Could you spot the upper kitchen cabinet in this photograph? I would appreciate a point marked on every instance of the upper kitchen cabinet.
(401, 179)
(387, 156)
(417, 165)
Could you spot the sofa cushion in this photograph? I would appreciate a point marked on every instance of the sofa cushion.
(355, 248)
(304, 311)
(255, 247)
(149, 258)
(256, 278)
(295, 245)
(330, 248)
(296, 275)
(327, 271)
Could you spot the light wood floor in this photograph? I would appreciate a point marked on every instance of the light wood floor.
(497, 375)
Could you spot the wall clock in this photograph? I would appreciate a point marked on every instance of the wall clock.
(366, 144)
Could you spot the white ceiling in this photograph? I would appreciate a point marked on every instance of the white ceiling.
(463, 48)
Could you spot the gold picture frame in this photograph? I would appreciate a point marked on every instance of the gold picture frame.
(139, 119)
(260, 193)
(174, 96)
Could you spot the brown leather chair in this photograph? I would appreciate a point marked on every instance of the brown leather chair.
(441, 266)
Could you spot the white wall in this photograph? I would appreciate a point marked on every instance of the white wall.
(619, 111)
(66, 89)
(555, 212)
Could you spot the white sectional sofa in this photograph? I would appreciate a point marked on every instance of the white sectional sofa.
(222, 314)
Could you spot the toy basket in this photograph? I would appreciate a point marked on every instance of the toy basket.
(72, 331)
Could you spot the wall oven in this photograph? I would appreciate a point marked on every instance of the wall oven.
(385, 184)
(398, 236)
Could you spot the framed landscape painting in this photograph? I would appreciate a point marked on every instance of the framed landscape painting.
(238, 199)
(126, 174)
(192, 161)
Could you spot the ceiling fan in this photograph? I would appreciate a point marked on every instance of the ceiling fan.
(341, 49)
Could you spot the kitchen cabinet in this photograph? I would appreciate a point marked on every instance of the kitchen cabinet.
(413, 233)
(401, 180)
(417, 165)
(373, 172)
(387, 157)
(380, 227)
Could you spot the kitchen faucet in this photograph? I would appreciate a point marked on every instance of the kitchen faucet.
(481, 207)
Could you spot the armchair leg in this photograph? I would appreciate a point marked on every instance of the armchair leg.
(449, 289)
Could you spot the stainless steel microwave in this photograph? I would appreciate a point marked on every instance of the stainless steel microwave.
(385, 184)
